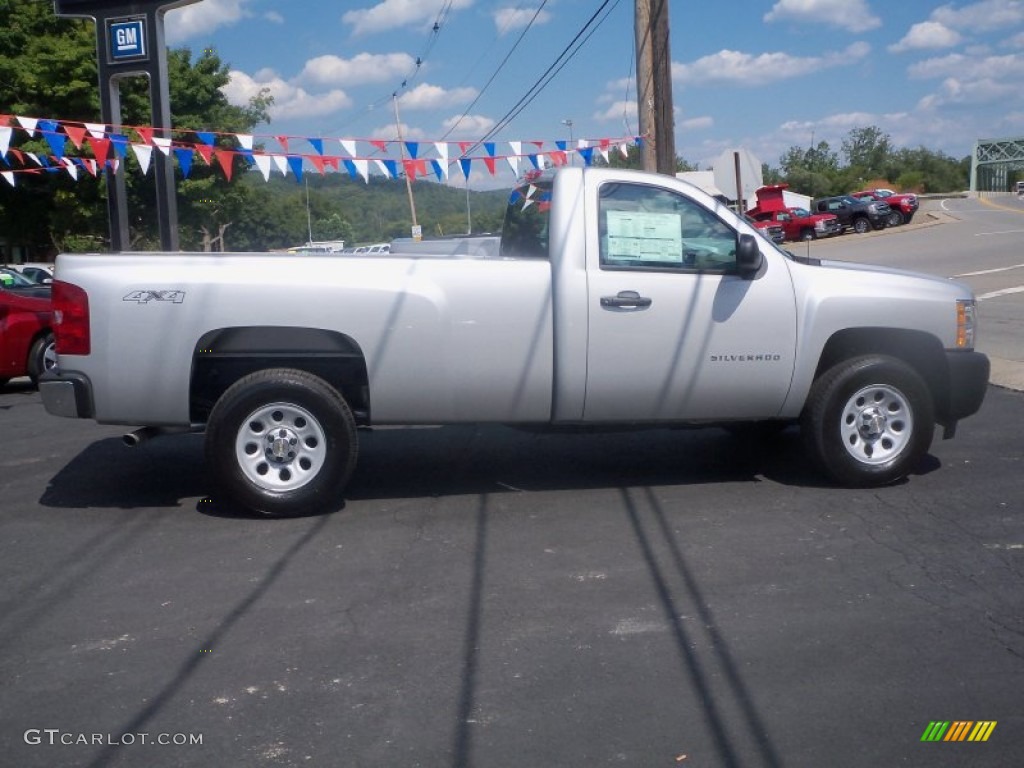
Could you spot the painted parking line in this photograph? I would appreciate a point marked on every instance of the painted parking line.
(1003, 232)
(990, 271)
(1003, 292)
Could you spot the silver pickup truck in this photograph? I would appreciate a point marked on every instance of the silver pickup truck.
(614, 298)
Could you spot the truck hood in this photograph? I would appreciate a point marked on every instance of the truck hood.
(941, 284)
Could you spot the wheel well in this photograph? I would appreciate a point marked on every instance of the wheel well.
(921, 351)
(223, 356)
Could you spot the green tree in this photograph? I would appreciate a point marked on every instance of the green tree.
(868, 149)
(48, 69)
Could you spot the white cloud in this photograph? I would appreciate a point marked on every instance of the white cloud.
(361, 68)
(966, 68)
(617, 110)
(390, 133)
(468, 126)
(391, 14)
(745, 69)
(927, 34)
(202, 18)
(508, 19)
(426, 96)
(274, 16)
(696, 123)
(1017, 41)
(982, 91)
(290, 101)
(981, 17)
(851, 15)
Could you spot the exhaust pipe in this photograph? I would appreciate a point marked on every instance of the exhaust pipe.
(139, 436)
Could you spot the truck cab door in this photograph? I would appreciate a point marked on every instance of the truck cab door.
(676, 331)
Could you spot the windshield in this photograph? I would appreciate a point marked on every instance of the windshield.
(525, 232)
(11, 279)
(800, 212)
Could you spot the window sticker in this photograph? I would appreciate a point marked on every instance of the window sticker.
(634, 235)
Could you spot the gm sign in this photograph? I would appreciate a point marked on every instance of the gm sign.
(126, 40)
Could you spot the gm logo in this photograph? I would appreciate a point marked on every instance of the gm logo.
(126, 40)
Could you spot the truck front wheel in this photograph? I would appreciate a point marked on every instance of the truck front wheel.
(868, 421)
(807, 234)
(281, 442)
(861, 225)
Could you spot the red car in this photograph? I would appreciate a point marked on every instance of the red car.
(902, 206)
(26, 328)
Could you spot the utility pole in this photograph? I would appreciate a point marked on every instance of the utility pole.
(654, 86)
(416, 231)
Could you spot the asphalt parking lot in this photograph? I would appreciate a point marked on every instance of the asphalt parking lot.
(496, 598)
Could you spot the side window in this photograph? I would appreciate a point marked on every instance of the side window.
(645, 227)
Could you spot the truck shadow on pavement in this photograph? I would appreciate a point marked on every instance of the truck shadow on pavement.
(452, 460)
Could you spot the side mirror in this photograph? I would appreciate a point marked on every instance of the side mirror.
(47, 281)
(748, 256)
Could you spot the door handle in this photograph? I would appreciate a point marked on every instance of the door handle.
(626, 300)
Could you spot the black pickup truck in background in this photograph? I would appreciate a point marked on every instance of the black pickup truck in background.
(859, 215)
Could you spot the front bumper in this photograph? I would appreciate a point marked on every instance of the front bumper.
(968, 382)
(67, 394)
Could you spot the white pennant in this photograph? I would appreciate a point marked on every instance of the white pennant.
(263, 163)
(513, 159)
(35, 158)
(442, 152)
(624, 149)
(281, 163)
(5, 140)
(349, 146)
(143, 153)
(363, 167)
(383, 168)
(72, 168)
(9, 175)
(96, 130)
(115, 165)
(604, 154)
(164, 145)
(245, 140)
(29, 124)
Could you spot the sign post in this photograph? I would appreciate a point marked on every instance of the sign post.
(130, 43)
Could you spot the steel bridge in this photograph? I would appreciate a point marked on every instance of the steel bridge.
(992, 162)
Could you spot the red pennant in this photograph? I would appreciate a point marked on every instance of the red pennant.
(283, 141)
(226, 160)
(605, 143)
(100, 148)
(538, 144)
(205, 151)
(5, 120)
(410, 169)
(90, 165)
(464, 146)
(558, 158)
(333, 162)
(381, 145)
(318, 162)
(76, 133)
(145, 133)
(489, 162)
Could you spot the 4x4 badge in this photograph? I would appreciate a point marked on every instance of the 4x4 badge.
(144, 297)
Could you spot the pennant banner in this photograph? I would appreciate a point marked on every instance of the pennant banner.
(393, 158)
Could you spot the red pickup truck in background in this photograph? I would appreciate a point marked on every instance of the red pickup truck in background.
(26, 321)
(797, 223)
(903, 206)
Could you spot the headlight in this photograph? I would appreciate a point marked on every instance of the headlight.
(965, 323)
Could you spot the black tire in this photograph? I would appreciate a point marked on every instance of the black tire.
(281, 442)
(861, 225)
(868, 421)
(42, 357)
(3, 382)
(807, 234)
(895, 219)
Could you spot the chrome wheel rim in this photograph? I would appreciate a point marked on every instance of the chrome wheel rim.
(280, 447)
(50, 357)
(876, 425)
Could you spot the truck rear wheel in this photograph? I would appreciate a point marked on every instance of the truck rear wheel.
(281, 442)
(42, 357)
(868, 421)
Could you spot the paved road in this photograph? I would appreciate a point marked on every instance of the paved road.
(977, 241)
(492, 598)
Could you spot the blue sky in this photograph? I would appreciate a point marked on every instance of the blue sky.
(760, 74)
